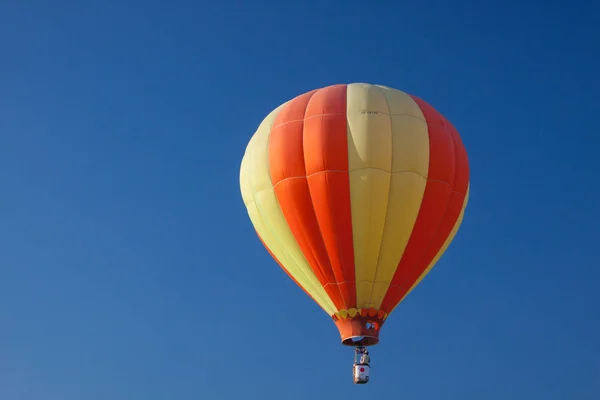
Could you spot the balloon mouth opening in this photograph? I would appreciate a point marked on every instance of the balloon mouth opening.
(360, 341)
(359, 330)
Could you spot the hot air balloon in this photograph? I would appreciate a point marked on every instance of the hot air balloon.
(356, 190)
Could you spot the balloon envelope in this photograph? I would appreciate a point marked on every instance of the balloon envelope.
(356, 191)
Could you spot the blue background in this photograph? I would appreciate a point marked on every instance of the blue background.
(129, 268)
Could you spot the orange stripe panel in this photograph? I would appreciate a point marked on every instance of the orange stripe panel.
(442, 202)
(326, 156)
(300, 202)
(288, 174)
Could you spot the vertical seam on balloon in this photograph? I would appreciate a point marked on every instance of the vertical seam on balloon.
(387, 204)
(312, 202)
(354, 247)
(341, 254)
(266, 222)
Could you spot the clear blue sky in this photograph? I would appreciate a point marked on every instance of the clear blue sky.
(129, 268)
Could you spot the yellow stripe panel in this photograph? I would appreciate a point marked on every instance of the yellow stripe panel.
(266, 215)
(388, 155)
(444, 247)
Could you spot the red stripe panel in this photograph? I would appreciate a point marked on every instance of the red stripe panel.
(441, 205)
